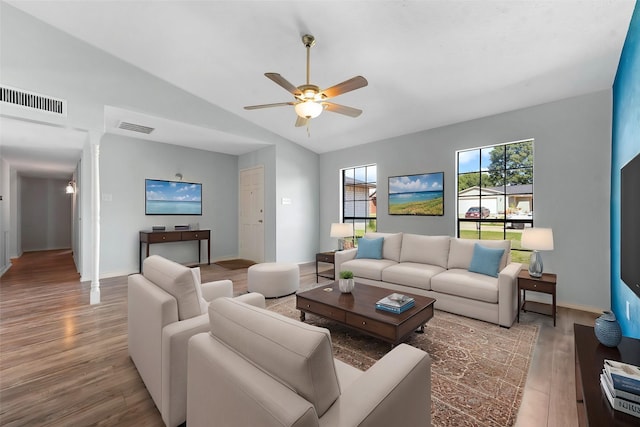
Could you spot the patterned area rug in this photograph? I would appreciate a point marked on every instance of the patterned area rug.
(478, 369)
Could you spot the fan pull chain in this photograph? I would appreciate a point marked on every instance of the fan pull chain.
(308, 131)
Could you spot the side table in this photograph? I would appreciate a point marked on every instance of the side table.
(329, 258)
(545, 284)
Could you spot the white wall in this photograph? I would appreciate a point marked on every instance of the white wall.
(4, 216)
(571, 183)
(266, 158)
(46, 214)
(124, 165)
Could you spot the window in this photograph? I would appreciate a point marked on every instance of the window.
(359, 198)
(495, 193)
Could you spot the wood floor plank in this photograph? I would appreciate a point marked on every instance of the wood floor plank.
(64, 362)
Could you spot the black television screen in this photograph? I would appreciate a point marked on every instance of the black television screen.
(172, 197)
(630, 224)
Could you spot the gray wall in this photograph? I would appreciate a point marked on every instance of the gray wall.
(297, 223)
(572, 154)
(46, 214)
(124, 165)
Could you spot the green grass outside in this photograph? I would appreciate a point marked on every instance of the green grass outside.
(429, 207)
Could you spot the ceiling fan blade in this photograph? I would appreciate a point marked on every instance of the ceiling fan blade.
(301, 121)
(344, 87)
(341, 109)
(281, 81)
(278, 104)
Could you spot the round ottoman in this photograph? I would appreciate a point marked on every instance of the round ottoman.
(273, 279)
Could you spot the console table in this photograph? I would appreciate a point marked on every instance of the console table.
(150, 237)
(593, 406)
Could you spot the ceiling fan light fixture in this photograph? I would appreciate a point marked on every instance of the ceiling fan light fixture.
(308, 109)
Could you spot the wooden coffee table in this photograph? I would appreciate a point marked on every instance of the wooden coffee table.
(357, 310)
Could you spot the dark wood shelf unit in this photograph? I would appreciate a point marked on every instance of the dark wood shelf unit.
(592, 405)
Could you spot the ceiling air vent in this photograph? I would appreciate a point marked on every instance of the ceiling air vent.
(33, 101)
(135, 128)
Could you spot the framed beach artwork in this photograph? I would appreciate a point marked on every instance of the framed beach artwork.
(172, 197)
(421, 194)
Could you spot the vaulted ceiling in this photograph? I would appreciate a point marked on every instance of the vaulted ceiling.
(428, 63)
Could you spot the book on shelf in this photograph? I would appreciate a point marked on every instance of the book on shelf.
(619, 393)
(624, 376)
(396, 310)
(396, 300)
(617, 403)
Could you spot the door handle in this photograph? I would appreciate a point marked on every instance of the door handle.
(260, 221)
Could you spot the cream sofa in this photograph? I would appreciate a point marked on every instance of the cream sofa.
(438, 267)
(259, 368)
(167, 304)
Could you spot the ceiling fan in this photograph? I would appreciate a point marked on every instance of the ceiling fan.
(310, 101)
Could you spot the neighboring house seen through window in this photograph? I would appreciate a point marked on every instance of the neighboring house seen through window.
(495, 193)
(359, 198)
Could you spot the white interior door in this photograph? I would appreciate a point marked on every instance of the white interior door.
(251, 244)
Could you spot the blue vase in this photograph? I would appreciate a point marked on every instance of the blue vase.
(608, 329)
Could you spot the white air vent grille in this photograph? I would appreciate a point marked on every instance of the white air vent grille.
(33, 101)
(135, 128)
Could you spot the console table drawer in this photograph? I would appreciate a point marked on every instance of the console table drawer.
(537, 285)
(325, 257)
(321, 309)
(195, 235)
(372, 326)
(163, 237)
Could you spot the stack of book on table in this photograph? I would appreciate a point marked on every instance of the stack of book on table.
(395, 303)
(620, 382)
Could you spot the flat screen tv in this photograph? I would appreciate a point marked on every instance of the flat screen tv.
(630, 224)
(172, 197)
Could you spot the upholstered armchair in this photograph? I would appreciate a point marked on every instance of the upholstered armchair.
(167, 304)
(259, 368)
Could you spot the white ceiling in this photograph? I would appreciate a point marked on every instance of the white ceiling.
(428, 63)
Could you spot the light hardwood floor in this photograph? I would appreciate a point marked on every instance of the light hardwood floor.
(64, 362)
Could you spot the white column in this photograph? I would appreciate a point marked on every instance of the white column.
(95, 218)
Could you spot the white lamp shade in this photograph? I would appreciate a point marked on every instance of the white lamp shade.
(308, 109)
(539, 239)
(341, 230)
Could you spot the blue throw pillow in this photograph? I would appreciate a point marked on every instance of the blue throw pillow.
(370, 248)
(486, 260)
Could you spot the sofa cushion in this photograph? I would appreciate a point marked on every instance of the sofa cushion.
(391, 245)
(486, 260)
(370, 248)
(461, 252)
(197, 280)
(432, 250)
(367, 268)
(411, 274)
(175, 279)
(295, 353)
(466, 284)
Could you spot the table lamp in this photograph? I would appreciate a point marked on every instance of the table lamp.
(341, 230)
(538, 239)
